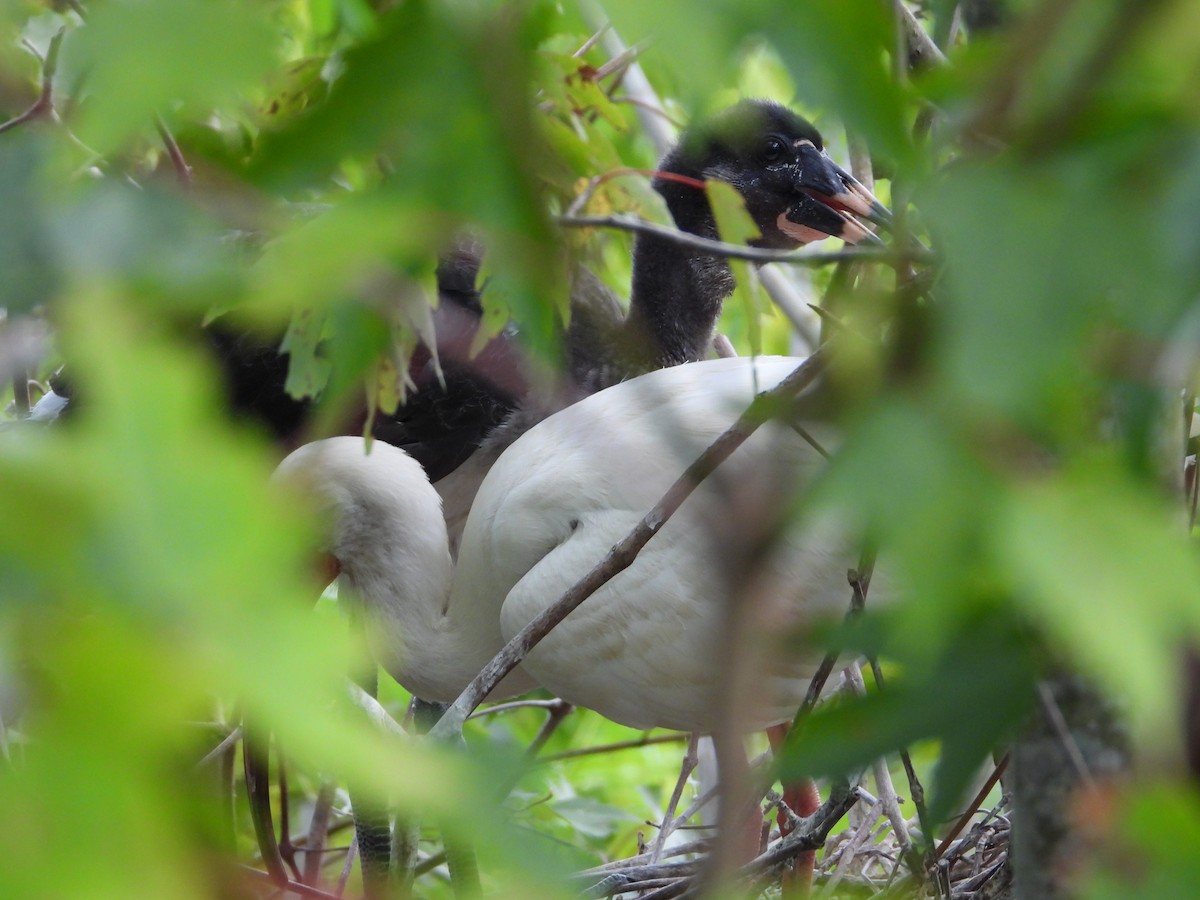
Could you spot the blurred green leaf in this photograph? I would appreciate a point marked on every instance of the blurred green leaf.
(971, 699)
(1149, 854)
(1110, 573)
(141, 57)
(27, 255)
(736, 226)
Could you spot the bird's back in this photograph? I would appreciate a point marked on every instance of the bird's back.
(642, 649)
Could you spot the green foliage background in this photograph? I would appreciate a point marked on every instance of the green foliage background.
(1021, 465)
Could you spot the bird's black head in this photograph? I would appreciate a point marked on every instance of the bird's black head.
(777, 161)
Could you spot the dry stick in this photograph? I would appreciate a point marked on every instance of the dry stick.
(635, 864)
(883, 780)
(847, 852)
(972, 808)
(318, 832)
(348, 865)
(690, 758)
(622, 555)
(809, 834)
(915, 790)
(44, 104)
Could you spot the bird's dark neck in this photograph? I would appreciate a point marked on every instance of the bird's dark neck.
(677, 291)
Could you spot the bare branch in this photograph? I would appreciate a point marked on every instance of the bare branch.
(922, 51)
(732, 251)
(810, 833)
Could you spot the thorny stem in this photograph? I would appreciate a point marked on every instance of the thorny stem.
(44, 104)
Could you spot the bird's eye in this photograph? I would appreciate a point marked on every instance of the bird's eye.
(774, 149)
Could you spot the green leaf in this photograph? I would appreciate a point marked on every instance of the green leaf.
(308, 371)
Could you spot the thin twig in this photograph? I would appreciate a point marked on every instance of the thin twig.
(972, 808)
(294, 887)
(809, 834)
(44, 104)
(591, 41)
(1059, 723)
(686, 767)
(515, 705)
(883, 780)
(653, 120)
(615, 747)
(621, 62)
(916, 791)
(847, 851)
(318, 831)
(738, 251)
(182, 170)
(226, 742)
(622, 555)
(347, 865)
(557, 713)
